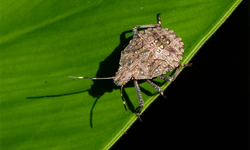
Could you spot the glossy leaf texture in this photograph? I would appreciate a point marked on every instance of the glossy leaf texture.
(44, 42)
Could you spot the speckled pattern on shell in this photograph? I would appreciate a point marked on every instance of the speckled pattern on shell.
(151, 53)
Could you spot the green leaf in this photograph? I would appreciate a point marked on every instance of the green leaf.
(44, 42)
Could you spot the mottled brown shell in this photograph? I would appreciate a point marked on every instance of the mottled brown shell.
(151, 53)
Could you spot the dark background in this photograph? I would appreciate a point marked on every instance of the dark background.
(207, 105)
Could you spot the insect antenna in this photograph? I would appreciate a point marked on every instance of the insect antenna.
(105, 78)
(123, 98)
(92, 78)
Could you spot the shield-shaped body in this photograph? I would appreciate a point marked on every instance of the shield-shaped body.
(151, 53)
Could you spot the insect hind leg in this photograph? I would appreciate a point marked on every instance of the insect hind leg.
(138, 91)
(148, 26)
(175, 74)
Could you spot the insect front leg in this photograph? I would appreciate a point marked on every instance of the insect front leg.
(148, 26)
(175, 74)
(138, 91)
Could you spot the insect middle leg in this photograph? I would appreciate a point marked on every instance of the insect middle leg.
(138, 91)
(148, 26)
(156, 87)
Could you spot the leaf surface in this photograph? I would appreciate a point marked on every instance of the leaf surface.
(44, 42)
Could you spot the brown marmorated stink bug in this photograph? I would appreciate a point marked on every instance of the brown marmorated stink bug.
(150, 53)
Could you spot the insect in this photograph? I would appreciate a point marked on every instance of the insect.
(150, 53)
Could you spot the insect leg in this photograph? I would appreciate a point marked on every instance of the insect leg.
(175, 74)
(92, 78)
(156, 87)
(138, 109)
(122, 98)
(186, 65)
(148, 26)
